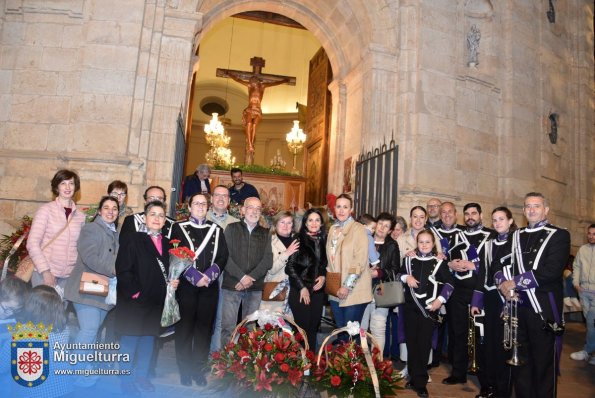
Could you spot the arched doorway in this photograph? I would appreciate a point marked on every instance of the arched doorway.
(363, 60)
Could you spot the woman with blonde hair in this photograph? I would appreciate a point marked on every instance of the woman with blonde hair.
(283, 244)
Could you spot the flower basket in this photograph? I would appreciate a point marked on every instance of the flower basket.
(13, 247)
(350, 369)
(265, 358)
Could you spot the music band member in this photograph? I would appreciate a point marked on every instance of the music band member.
(429, 286)
(198, 301)
(540, 252)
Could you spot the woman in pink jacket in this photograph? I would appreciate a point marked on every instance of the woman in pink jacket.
(59, 219)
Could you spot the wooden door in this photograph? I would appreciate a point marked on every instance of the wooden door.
(317, 128)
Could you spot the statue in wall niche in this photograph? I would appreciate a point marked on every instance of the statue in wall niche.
(473, 38)
(553, 133)
(257, 82)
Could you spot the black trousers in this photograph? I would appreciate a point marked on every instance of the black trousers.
(418, 337)
(457, 312)
(537, 377)
(307, 316)
(198, 308)
(492, 354)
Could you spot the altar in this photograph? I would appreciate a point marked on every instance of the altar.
(276, 192)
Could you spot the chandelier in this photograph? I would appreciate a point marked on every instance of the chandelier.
(219, 154)
(295, 141)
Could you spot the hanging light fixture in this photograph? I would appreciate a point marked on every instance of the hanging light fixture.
(295, 141)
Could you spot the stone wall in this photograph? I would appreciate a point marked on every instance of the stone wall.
(96, 85)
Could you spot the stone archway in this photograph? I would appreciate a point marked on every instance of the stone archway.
(362, 54)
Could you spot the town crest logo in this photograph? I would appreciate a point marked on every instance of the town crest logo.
(30, 353)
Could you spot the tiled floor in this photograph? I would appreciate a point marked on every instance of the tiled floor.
(577, 380)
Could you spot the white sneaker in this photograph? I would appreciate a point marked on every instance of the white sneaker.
(429, 379)
(404, 373)
(592, 360)
(580, 356)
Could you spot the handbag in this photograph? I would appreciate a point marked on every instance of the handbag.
(267, 289)
(95, 284)
(25, 267)
(389, 294)
(333, 283)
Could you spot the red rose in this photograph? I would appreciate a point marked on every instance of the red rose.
(335, 381)
(284, 367)
(299, 337)
(268, 347)
(268, 327)
(216, 355)
(242, 330)
(279, 357)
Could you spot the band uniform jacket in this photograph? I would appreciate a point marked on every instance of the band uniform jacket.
(136, 223)
(539, 257)
(192, 236)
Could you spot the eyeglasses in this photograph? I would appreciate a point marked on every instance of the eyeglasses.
(199, 204)
(118, 194)
(159, 198)
(254, 208)
(158, 215)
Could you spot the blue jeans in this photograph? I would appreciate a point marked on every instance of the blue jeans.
(342, 315)
(216, 337)
(250, 301)
(588, 304)
(90, 319)
(140, 350)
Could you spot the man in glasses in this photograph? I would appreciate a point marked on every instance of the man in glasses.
(220, 216)
(250, 257)
(136, 222)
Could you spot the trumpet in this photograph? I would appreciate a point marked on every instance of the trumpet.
(511, 326)
(471, 347)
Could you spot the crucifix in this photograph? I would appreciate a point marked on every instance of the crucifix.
(257, 82)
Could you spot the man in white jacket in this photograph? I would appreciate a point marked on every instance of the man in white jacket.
(583, 279)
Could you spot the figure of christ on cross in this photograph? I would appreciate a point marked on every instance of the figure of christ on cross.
(256, 82)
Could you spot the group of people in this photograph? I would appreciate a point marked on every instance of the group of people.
(450, 272)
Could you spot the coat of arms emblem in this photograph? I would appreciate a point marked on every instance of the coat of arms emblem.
(30, 353)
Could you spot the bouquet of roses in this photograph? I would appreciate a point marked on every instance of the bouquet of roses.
(343, 371)
(264, 359)
(180, 258)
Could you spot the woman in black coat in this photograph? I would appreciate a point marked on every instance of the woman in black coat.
(307, 271)
(198, 301)
(142, 266)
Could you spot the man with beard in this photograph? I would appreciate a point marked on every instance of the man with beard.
(540, 252)
(478, 236)
(433, 207)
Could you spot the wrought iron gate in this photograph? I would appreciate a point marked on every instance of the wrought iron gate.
(178, 169)
(376, 177)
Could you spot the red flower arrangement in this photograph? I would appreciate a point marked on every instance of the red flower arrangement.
(183, 252)
(267, 359)
(8, 241)
(345, 372)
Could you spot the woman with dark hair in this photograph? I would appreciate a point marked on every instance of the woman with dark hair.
(283, 245)
(491, 354)
(54, 233)
(97, 248)
(347, 254)
(119, 190)
(307, 270)
(198, 301)
(142, 266)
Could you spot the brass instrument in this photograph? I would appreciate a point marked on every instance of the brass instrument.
(511, 326)
(471, 347)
